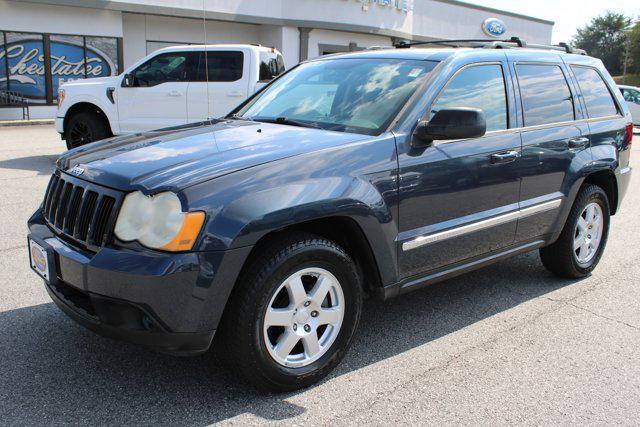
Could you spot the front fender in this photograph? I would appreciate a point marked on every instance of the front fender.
(110, 110)
(357, 182)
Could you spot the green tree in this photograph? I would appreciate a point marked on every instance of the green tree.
(633, 64)
(605, 38)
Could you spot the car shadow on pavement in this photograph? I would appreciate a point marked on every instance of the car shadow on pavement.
(43, 164)
(54, 371)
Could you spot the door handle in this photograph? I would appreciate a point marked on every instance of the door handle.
(578, 142)
(506, 157)
(175, 93)
(234, 93)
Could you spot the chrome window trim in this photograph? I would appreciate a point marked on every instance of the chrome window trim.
(480, 225)
(551, 125)
(463, 68)
(614, 98)
(537, 127)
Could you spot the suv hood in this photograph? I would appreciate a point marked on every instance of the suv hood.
(177, 158)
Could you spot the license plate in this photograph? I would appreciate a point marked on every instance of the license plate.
(39, 260)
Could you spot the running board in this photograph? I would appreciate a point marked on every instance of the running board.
(413, 283)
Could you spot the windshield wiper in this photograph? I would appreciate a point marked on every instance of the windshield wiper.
(291, 122)
(235, 116)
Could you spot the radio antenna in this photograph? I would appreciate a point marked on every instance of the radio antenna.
(206, 59)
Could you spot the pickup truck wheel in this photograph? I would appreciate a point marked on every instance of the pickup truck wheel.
(83, 128)
(580, 245)
(295, 316)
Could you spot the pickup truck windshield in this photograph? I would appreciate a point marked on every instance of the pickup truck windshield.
(347, 95)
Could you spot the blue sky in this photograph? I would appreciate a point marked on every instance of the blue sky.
(567, 14)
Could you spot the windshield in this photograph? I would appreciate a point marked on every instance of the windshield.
(348, 95)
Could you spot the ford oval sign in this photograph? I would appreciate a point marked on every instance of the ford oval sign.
(494, 27)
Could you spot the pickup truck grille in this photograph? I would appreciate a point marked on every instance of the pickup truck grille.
(80, 211)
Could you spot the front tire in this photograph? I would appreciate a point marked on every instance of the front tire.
(85, 127)
(580, 246)
(294, 315)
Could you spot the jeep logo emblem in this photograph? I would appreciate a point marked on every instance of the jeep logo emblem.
(76, 170)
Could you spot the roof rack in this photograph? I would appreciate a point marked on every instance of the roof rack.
(513, 42)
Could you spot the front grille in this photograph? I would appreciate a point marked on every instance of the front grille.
(81, 211)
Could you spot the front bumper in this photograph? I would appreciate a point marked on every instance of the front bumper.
(60, 125)
(172, 302)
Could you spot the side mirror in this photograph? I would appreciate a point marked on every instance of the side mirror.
(127, 81)
(452, 123)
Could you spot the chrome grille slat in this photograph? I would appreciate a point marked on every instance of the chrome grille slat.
(62, 205)
(55, 194)
(72, 210)
(89, 204)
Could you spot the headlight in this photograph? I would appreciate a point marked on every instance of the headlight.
(158, 222)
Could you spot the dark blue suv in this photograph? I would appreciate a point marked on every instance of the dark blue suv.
(371, 173)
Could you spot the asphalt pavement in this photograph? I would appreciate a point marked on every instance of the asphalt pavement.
(507, 344)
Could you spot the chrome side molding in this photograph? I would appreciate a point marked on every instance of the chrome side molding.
(480, 225)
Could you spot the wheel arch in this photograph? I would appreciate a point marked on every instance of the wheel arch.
(606, 180)
(84, 106)
(342, 230)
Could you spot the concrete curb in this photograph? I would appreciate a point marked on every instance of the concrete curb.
(35, 122)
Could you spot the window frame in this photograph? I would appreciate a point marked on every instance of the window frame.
(187, 53)
(460, 70)
(51, 98)
(619, 111)
(567, 82)
(277, 56)
(201, 63)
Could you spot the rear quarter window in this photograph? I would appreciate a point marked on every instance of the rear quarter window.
(545, 93)
(595, 92)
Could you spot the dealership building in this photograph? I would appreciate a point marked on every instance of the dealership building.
(46, 42)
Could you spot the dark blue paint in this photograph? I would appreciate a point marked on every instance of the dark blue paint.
(252, 179)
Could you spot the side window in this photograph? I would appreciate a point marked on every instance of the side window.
(478, 86)
(223, 66)
(271, 66)
(632, 95)
(545, 93)
(595, 93)
(167, 67)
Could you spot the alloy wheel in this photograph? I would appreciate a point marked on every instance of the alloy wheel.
(80, 134)
(588, 233)
(304, 317)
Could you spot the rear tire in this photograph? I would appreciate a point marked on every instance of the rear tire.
(300, 348)
(580, 246)
(85, 127)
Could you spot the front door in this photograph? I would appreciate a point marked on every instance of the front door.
(459, 199)
(158, 95)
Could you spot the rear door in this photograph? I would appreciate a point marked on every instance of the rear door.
(459, 198)
(226, 84)
(159, 96)
(554, 140)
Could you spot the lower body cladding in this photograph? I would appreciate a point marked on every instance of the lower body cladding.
(171, 302)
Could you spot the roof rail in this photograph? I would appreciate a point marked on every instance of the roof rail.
(513, 42)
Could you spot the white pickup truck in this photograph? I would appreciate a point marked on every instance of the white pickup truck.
(167, 88)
